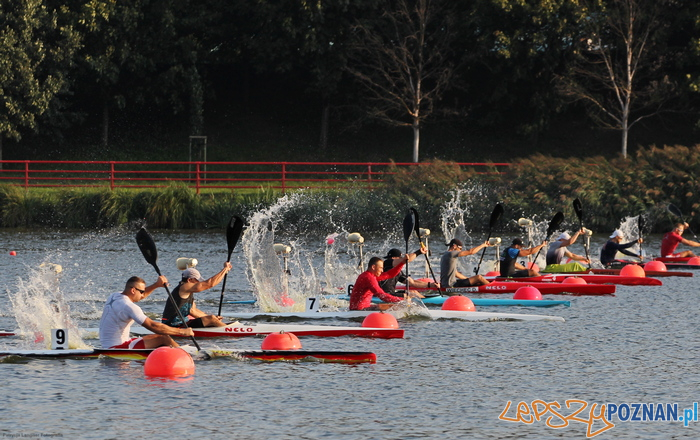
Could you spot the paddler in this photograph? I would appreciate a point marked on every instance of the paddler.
(183, 294)
(613, 246)
(120, 311)
(367, 285)
(671, 240)
(558, 250)
(449, 275)
(509, 264)
(395, 257)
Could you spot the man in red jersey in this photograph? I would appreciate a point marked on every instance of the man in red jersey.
(367, 285)
(672, 239)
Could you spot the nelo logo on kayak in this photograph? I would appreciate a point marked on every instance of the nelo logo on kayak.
(239, 329)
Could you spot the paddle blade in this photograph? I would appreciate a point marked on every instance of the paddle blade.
(673, 209)
(233, 233)
(416, 224)
(578, 209)
(147, 246)
(641, 223)
(495, 215)
(555, 223)
(408, 223)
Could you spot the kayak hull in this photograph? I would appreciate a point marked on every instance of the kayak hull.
(344, 357)
(544, 288)
(649, 273)
(590, 279)
(432, 314)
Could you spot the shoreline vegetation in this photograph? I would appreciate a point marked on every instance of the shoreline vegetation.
(539, 185)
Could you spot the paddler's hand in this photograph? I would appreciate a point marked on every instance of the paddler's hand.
(186, 332)
(227, 266)
(161, 282)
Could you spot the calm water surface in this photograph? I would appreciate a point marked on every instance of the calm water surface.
(445, 380)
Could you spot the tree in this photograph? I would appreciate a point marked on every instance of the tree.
(36, 47)
(619, 71)
(403, 60)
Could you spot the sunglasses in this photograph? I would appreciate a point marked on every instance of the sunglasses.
(139, 290)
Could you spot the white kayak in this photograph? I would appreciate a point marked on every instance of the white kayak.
(432, 314)
(237, 329)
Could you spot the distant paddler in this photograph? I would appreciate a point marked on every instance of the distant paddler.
(120, 311)
(449, 275)
(557, 251)
(614, 245)
(509, 264)
(367, 285)
(395, 257)
(673, 238)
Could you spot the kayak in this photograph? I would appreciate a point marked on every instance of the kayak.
(673, 259)
(544, 288)
(237, 329)
(432, 314)
(590, 279)
(438, 300)
(649, 273)
(344, 357)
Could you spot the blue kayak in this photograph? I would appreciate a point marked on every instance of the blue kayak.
(438, 300)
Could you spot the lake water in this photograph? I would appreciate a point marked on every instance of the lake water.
(445, 380)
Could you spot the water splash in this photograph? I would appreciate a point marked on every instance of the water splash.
(39, 306)
(630, 230)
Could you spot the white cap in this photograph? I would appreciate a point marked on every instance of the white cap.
(617, 233)
(564, 236)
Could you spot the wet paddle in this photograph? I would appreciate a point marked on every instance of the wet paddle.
(408, 223)
(495, 215)
(640, 226)
(673, 209)
(578, 208)
(150, 253)
(416, 228)
(554, 225)
(233, 233)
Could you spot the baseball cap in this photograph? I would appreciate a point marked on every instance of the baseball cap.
(456, 241)
(191, 272)
(617, 233)
(564, 236)
(517, 241)
(394, 253)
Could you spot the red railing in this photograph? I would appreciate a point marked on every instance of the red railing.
(204, 175)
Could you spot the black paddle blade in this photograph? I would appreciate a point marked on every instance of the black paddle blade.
(233, 233)
(673, 209)
(416, 224)
(147, 246)
(495, 215)
(555, 223)
(641, 224)
(578, 208)
(408, 223)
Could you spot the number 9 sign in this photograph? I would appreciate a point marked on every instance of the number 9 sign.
(59, 339)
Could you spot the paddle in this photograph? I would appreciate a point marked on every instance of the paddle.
(416, 228)
(150, 253)
(673, 209)
(495, 215)
(408, 223)
(553, 226)
(233, 233)
(640, 226)
(578, 208)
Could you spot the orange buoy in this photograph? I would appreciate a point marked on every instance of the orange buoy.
(533, 266)
(459, 302)
(656, 266)
(528, 292)
(493, 273)
(380, 320)
(168, 362)
(574, 280)
(694, 261)
(632, 270)
(281, 341)
(13, 253)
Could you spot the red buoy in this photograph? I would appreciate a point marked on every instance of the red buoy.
(694, 261)
(632, 270)
(13, 253)
(459, 302)
(655, 266)
(493, 273)
(574, 280)
(168, 362)
(380, 320)
(281, 341)
(528, 292)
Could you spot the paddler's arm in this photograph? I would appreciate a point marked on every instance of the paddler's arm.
(532, 250)
(213, 281)
(162, 329)
(391, 273)
(160, 282)
(474, 250)
(690, 242)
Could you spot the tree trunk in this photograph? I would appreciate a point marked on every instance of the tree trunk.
(323, 142)
(416, 141)
(105, 123)
(1, 136)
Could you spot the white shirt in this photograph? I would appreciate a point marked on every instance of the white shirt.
(117, 316)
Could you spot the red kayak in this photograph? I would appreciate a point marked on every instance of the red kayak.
(544, 288)
(673, 259)
(590, 279)
(649, 273)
